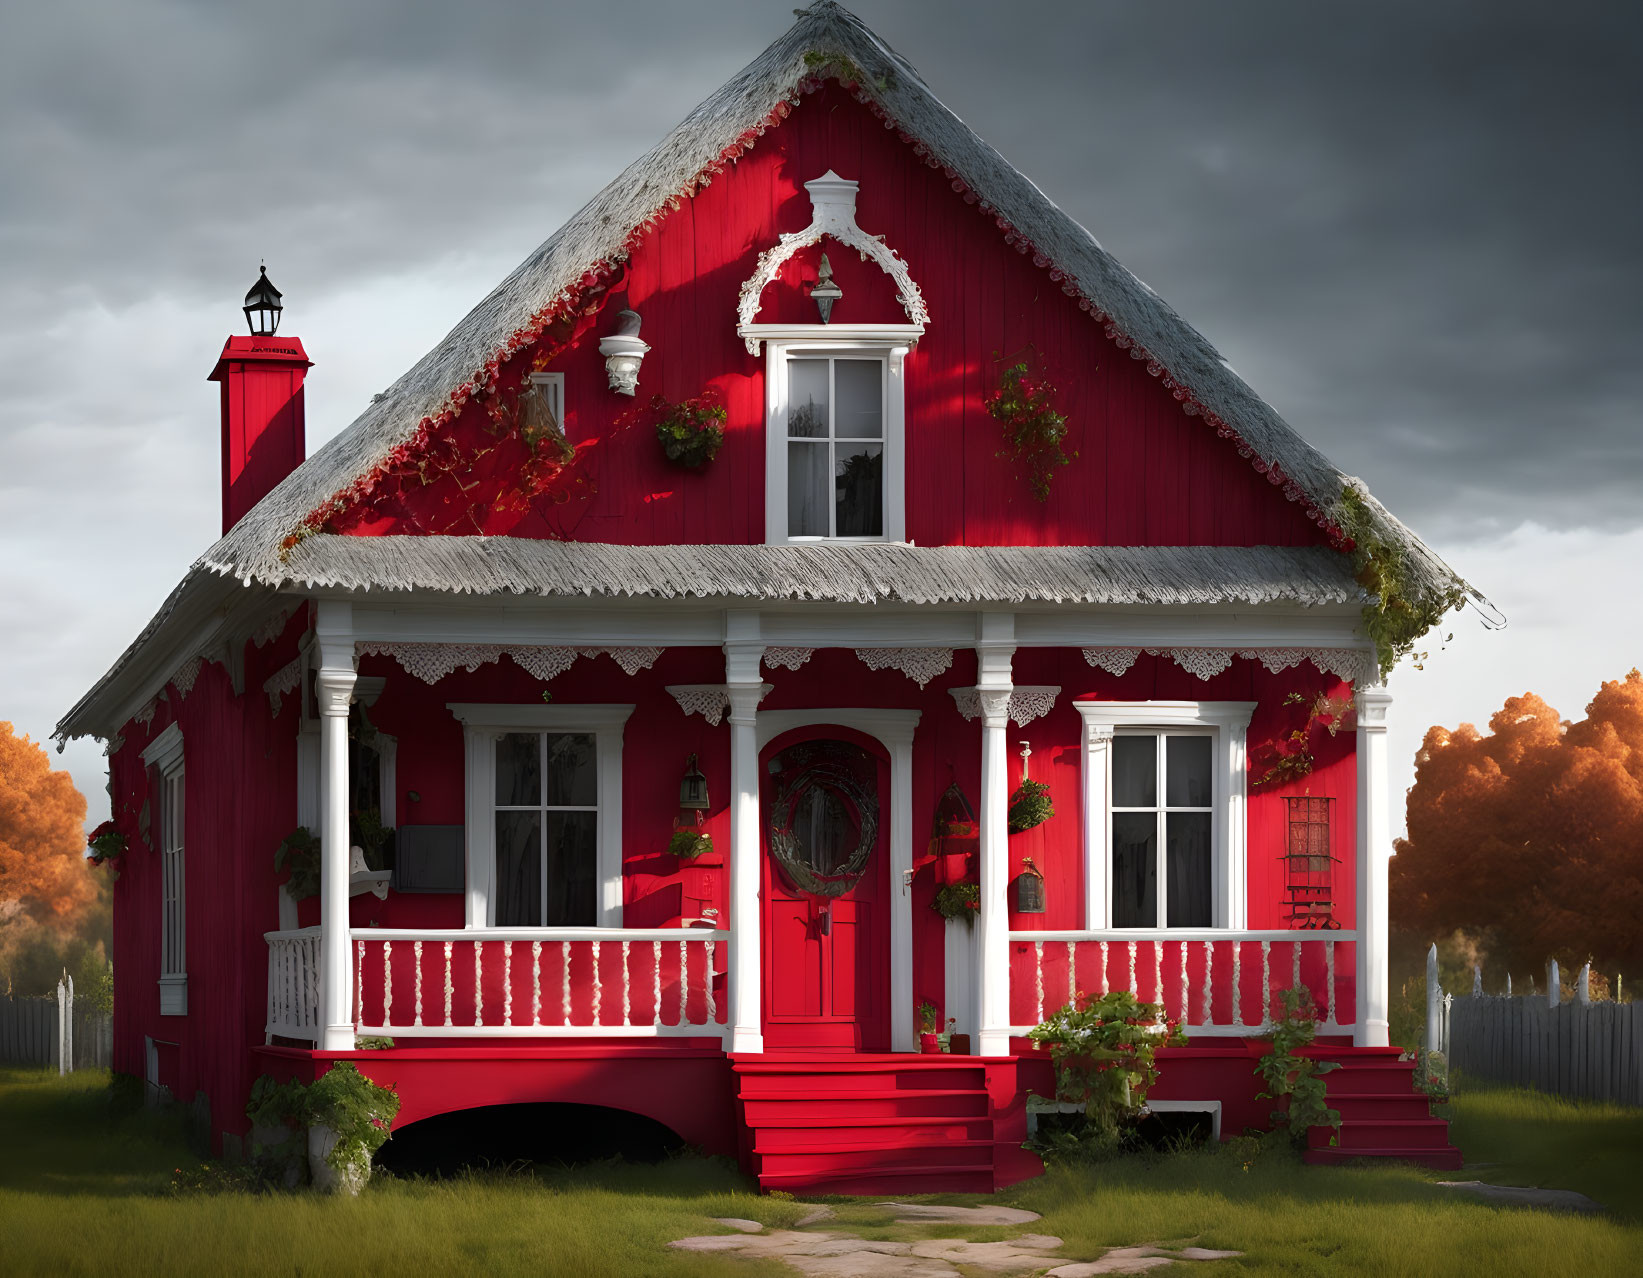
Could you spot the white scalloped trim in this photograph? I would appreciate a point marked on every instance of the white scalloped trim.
(710, 700)
(431, 662)
(1351, 664)
(283, 682)
(787, 658)
(186, 675)
(919, 664)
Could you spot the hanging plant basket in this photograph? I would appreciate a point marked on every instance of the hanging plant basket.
(692, 431)
(688, 844)
(958, 901)
(1030, 806)
(1033, 431)
(954, 837)
(106, 843)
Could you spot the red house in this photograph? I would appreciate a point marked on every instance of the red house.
(497, 639)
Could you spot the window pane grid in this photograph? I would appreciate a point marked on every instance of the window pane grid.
(546, 853)
(1161, 868)
(821, 473)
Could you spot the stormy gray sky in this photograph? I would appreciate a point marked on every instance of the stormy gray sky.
(1411, 227)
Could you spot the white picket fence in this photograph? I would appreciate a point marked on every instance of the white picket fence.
(52, 1031)
(1579, 1049)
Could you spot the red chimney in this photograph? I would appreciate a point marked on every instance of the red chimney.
(262, 416)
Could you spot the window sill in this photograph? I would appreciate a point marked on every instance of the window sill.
(173, 996)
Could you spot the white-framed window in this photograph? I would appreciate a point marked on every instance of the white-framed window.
(835, 431)
(165, 756)
(551, 388)
(544, 814)
(1164, 813)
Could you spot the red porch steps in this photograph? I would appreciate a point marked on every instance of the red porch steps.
(882, 1123)
(1383, 1115)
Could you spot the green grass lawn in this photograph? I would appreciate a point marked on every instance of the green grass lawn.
(84, 1190)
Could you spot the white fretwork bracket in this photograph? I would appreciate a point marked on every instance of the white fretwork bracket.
(833, 201)
(1027, 701)
(787, 658)
(431, 662)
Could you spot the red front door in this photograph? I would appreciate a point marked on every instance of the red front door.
(826, 893)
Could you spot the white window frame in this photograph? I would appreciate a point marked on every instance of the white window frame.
(1227, 724)
(481, 726)
(552, 386)
(887, 342)
(165, 755)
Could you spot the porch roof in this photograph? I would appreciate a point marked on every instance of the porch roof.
(824, 573)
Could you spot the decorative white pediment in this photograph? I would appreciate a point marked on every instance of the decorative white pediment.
(1027, 701)
(833, 205)
(1355, 665)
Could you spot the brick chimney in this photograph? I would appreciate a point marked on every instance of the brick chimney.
(262, 411)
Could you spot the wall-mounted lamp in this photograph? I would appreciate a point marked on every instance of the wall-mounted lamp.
(826, 292)
(693, 788)
(624, 352)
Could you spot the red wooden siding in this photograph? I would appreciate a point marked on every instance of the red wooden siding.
(1146, 474)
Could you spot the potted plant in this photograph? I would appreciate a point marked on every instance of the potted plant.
(106, 844)
(927, 1022)
(348, 1121)
(690, 844)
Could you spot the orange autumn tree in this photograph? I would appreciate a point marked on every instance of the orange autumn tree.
(1531, 835)
(44, 876)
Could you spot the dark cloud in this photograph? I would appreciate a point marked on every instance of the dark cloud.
(1409, 226)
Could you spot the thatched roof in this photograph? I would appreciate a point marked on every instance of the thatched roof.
(851, 574)
(825, 39)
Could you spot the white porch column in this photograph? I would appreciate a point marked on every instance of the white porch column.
(334, 688)
(745, 688)
(994, 649)
(1374, 853)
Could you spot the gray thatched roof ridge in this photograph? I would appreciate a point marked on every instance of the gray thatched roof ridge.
(599, 233)
(829, 573)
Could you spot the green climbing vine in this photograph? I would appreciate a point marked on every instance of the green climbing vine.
(1395, 617)
(1295, 1081)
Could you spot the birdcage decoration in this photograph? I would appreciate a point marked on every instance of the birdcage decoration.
(954, 836)
(1309, 863)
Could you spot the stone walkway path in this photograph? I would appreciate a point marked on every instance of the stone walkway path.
(830, 1253)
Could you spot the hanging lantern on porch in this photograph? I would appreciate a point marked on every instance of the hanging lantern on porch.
(1029, 888)
(693, 788)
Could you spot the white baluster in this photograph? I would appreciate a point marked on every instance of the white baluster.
(598, 985)
(1072, 973)
(507, 982)
(1158, 972)
(1237, 983)
(1103, 968)
(1295, 975)
(479, 989)
(712, 1014)
(1266, 983)
(449, 987)
(1186, 1001)
(1209, 983)
(387, 984)
(359, 983)
(1135, 988)
(536, 982)
(627, 983)
(1329, 976)
(684, 984)
(1038, 965)
(416, 955)
(564, 955)
(656, 980)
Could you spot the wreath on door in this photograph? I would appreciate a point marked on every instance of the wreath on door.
(825, 770)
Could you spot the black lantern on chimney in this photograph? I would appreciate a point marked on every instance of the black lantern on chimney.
(262, 306)
(693, 788)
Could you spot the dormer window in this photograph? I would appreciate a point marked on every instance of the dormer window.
(834, 423)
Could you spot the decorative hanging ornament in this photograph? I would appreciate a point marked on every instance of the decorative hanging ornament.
(1029, 888)
(826, 292)
(954, 837)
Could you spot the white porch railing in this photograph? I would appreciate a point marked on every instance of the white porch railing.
(293, 983)
(1212, 982)
(520, 982)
